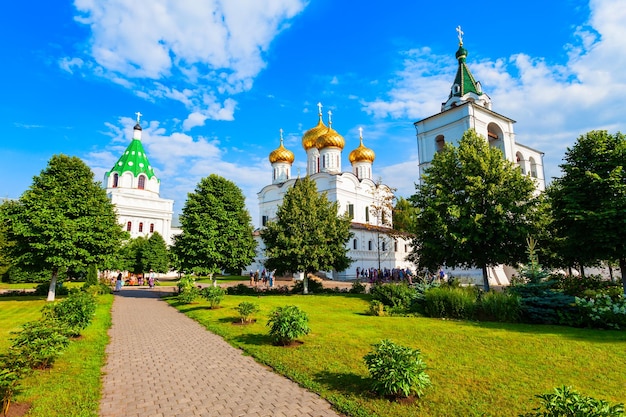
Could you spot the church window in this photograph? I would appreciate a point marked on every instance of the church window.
(264, 220)
(116, 179)
(151, 227)
(406, 248)
(140, 227)
(456, 89)
(440, 143)
(367, 214)
(369, 245)
(384, 246)
(355, 244)
(533, 167)
(395, 246)
(351, 211)
(519, 159)
(141, 182)
(495, 136)
(129, 226)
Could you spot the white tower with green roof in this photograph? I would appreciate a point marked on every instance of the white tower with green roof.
(468, 107)
(133, 187)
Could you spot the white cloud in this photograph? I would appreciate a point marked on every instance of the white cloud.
(552, 103)
(200, 49)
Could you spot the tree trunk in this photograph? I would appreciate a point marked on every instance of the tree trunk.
(53, 285)
(485, 279)
(622, 267)
(305, 284)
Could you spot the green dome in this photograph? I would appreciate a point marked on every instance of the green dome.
(134, 159)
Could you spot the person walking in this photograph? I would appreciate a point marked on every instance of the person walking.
(118, 282)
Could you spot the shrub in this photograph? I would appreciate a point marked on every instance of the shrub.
(187, 290)
(394, 295)
(287, 323)
(456, 303)
(12, 370)
(358, 288)
(541, 304)
(314, 286)
(92, 276)
(39, 343)
(589, 286)
(246, 310)
(396, 370)
(42, 289)
(75, 312)
(499, 306)
(214, 295)
(565, 402)
(241, 289)
(376, 308)
(603, 312)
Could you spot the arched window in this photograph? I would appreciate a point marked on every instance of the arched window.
(140, 227)
(355, 244)
(141, 183)
(495, 136)
(151, 227)
(533, 167)
(129, 226)
(519, 159)
(440, 143)
(116, 179)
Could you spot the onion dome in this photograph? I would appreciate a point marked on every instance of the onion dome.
(134, 159)
(281, 154)
(310, 136)
(362, 153)
(330, 138)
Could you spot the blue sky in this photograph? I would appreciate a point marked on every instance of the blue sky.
(216, 80)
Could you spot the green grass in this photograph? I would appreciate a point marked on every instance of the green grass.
(72, 388)
(477, 369)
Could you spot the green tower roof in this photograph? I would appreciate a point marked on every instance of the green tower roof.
(464, 78)
(134, 159)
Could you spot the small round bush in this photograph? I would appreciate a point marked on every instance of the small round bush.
(358, 288)
(287, 323)
(214, 295)
(396, 370)
(376, 308)
(246, 310)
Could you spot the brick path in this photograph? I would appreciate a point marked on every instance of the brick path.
(160, 363)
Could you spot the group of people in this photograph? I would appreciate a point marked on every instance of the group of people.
(120, 282)
(265, 277)
(383, 275)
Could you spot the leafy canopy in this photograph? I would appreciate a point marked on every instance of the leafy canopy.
(475, 209)
(307, 234)
(217, 229)
(63, 221)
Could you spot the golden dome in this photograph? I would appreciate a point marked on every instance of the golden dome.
(281, 154)
(362, 154)
(330, 138)
(310, 136)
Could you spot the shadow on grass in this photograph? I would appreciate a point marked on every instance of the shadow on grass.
(575, 333)
(258, 339)
(343, 382)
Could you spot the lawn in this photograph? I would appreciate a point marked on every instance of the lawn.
(72, 386)
(477, 369)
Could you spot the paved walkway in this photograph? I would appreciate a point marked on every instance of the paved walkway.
(160, 363)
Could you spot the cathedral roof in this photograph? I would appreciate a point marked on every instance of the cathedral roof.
(281, 154)
(310, 136)
(362, 153)
(134, 159)
(331, 138)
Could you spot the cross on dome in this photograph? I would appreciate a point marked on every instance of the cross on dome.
(138, 116)
(281, 135)
(319, 108)
(330, 117)
(460, 32)
(361, 133)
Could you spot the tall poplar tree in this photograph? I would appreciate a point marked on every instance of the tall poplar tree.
(307, 234)
(217, 229)
(589, 200)
(475, 209)
(63, 221)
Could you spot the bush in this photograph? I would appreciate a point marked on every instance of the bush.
(39, 343)
(603, 312)
(396, 370)
(586, 286)
(565, 402)
(499, 306)
(214, 295)
(314, 286)
(358, 288)
(9, 384)
(241, 289)
(455, 303)
(394, 295)
(187, 290)
(246, 310)
(376, 308)
(92, 276)
(541, 304)
(287, 323)
(75, 312)
(42, 289)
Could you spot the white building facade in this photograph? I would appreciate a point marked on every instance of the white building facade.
(374, 245)
(133, 188)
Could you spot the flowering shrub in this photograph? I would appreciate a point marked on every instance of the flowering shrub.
(602, 311)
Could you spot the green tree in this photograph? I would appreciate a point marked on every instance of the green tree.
(307, 235)
(63, 221)
(475, 209)
(155, 254)
(217, 229)
(404, 215)
(589, 201)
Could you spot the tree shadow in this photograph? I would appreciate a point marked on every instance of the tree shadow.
(345, 382)
(258, 339)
